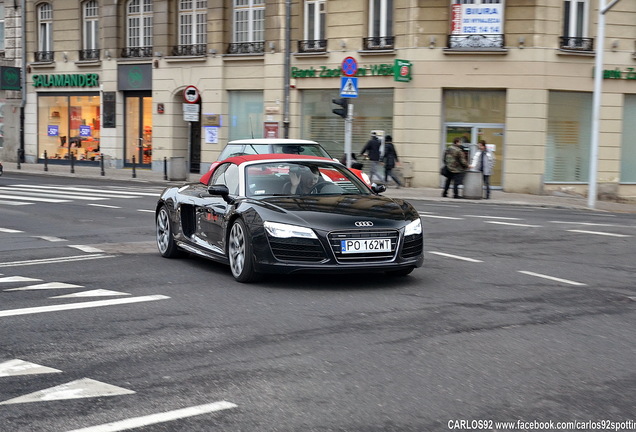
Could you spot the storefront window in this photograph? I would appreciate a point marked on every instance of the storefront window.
(475, 106)
(372, 110)
(628, 147)
(69, 124)
(246, 114)
(568, 141)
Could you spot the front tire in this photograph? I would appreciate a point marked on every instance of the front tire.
(239, 251)
(165, 241)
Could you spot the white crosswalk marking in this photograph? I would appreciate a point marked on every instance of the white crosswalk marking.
(22, 194)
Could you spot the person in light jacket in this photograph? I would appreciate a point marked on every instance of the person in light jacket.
(484, 161)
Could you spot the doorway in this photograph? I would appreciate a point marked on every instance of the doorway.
(138, 127)
(470, 134)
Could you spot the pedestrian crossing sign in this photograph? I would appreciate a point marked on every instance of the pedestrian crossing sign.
(349, 87)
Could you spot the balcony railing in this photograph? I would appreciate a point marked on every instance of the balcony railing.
(476, 42)
(246, 48)
(136, 52)
(190, 50)
(89, 54)
(576, 43)
(378, 43)
(312, 46)
(44, 56)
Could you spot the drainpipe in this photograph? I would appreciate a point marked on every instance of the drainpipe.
(287, 66)
(23, 78)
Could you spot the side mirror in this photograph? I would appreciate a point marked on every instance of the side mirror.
(220, 190)
(378, 188)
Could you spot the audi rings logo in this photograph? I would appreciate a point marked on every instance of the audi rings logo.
(364, 224)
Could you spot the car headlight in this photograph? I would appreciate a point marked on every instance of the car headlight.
(414, 227)
(281, 230)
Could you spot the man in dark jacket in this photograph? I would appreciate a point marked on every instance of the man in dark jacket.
(455, 160)
(390, 160)
(373, 149)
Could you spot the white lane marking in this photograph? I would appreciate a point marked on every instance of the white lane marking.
(10, 231)
(146, 211)
(493, 217)
(82, 388)
(51, 239)
(599, 233)
(46, 285)
(93, 293)
(440, 217)
(18, 279)
(20, 367)
(86, 248)
(513, 224)
(592, 224)
(455, 256)
(13, 203)
(48, 190)
(566, 281)
(49, 200)
(54, 260)
(100, 191)
(105, 206)
(15, 192)
(71, 306)
(151, 419)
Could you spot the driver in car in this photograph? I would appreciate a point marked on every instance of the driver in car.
(302, 180)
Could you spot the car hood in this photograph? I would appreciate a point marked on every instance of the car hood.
(338, 211)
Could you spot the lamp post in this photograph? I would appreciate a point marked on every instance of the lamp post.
(596, 101)
(287, 66)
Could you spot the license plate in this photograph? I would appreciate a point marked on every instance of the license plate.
(365, 245)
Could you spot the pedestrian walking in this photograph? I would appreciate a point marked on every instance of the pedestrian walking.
(372, 150)
(455, 161)
(484, 161)
(390, 159)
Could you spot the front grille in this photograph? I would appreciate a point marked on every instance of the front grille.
(297, 249)
(336, 237)
(413, 245)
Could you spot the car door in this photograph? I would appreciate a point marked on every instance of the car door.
(212, 210)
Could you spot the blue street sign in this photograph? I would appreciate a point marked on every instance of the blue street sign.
(349, 87)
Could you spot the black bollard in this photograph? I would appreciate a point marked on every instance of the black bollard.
(134, 172)
(46, 161)
(19, 158)
(71, 155)
(165, 168)
(101, 164)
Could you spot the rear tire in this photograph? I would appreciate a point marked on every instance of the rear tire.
(239, 251)
(165, 241)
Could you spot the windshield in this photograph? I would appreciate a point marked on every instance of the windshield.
(301, 149)
(302, 178)
(288, 148)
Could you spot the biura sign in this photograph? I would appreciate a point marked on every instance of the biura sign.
(325, 72)
(66, 80)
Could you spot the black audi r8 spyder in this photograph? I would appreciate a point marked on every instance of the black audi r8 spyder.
(278, 213)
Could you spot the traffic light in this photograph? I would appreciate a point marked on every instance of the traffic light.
(344, 103)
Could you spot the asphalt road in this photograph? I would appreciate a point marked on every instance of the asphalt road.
(519, 314)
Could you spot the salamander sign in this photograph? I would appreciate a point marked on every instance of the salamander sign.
(66, 80)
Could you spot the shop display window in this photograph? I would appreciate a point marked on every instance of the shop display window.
(69, 125)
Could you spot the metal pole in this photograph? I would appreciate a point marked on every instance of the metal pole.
(165, 168)
(46, 161)
(596, 102)
(20, 151)
(348, 131)
(71, 155)
(101, 164)
(287, 66)
(134, 172)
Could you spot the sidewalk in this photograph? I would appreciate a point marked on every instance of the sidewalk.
(425, 194)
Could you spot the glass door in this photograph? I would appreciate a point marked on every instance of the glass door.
(138, 138)
(471, 134)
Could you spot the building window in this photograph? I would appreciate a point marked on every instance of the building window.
(314, 32)
(568, 141)
(248, 27)
(139, 15)
(476, 25)
(45, 33)
(575, 25)
(193, 16)
(90, 17)
(628, 147)
(380, 25)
